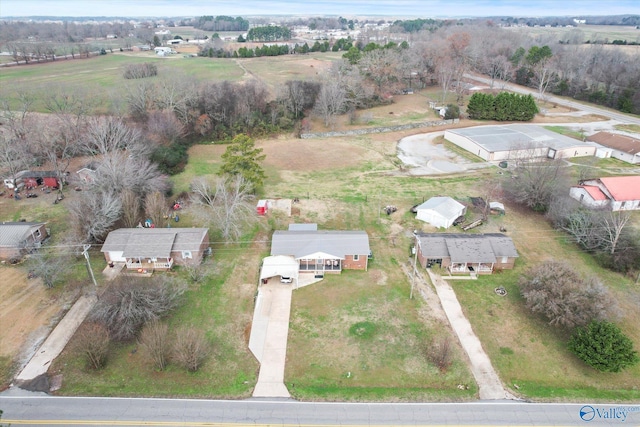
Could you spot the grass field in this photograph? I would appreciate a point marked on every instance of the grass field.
(101, 77)
(342, 183)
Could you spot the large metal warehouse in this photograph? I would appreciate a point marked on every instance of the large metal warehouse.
(512, 142)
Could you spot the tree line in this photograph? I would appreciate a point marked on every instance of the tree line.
(269, 34)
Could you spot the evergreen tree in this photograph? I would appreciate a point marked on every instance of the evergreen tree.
(603, 346)
(243, 158)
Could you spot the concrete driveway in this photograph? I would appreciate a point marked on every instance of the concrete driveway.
(268, 340)
(489, 384)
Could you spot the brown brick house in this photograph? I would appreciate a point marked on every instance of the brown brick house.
(156, 248)
(322, 251)
(466, 253)
(20, 238)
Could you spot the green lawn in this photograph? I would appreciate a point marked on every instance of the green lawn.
(530, 355)
(219, 306)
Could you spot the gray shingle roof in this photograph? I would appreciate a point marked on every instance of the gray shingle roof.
(153, 242)
(464, 248)
(13, 234)
(300, 244)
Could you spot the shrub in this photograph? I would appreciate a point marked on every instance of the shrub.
(129, 303)
(440, 353)
(556, 291)
(154, 340)
(603, 346)
(92, 340)
(190, 348)
(140, 71)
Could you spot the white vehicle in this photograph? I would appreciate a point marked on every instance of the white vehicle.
(285, 279)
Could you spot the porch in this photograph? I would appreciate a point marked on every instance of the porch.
(140, 265)
(471, 268)
(319, 266)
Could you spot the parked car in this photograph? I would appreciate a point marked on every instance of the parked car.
(285, 279)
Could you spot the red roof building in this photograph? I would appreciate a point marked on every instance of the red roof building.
(615, 193)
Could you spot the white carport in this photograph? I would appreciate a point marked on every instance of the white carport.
(279, 265)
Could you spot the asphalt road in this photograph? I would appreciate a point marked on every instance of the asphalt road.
(621, 117)
(87, 411)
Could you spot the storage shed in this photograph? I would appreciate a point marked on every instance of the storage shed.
(440, 211)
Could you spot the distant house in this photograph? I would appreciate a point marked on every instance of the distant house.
(20, 238)
(623, 147)
(156, 248)
(466, 253)
(440, 211)
(87, 174)
(616, 193)
(322, 251)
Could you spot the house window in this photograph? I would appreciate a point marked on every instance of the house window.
(186, 254)
(505, 259)
(356, 257)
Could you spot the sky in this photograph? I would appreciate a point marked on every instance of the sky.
(400, 8)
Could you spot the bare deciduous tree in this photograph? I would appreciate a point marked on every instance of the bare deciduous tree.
(190, 348)
(164, 127)
(155, 207)
(92, 340)
(93, 214)
(557, 292)
(128, 303)
(112, 134)
(51, 266)
(612, 226)
(535, 180)
(229, 207)
(154, 340)
(130, 208)
(331, 101)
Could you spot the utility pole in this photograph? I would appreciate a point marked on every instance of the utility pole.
(415, 264)
(86, 256)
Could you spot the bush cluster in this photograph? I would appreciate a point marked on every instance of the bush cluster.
(140, 71)
(505, 106)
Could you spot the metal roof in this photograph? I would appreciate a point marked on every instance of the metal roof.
(303, 244)
(445, 206)
(514, 136)
(623, 188)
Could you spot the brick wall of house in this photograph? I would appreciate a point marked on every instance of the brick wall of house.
(505, 265)
(352, 264)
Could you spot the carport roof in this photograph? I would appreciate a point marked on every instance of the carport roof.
(495, 138)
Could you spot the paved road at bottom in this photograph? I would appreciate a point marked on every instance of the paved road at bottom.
(87, 411)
